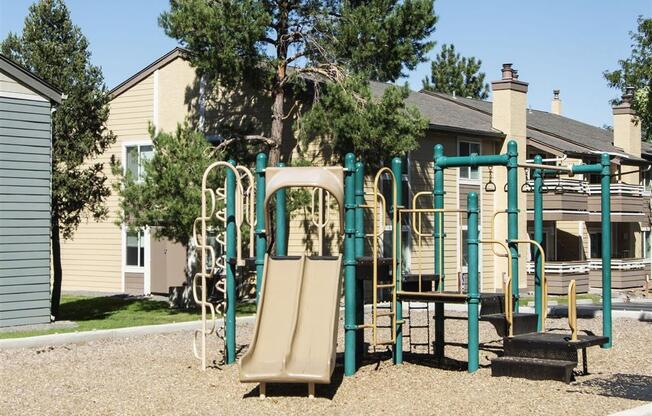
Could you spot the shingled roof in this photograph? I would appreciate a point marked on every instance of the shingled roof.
(564, 134)
(444, 115)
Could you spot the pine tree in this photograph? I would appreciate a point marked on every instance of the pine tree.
(378, 129)
(275, 45)
(453, 74)
(53, 48)
(169, 194)
(636, 71)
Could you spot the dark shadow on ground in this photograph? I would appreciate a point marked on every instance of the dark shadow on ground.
(97, 308)
(326, 391)
(626, 386)
(102, 307)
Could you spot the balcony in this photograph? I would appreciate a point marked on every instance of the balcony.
(629, 203)
(563, 200)
(560, 273)
(625, 273)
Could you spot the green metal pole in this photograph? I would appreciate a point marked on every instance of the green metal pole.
(512, 214)
(397, 170)
(538, 237)
(359, 252)
(350, 327)
(231, 253)
(281, 220)
(605, 189)
(473, 296)
(261, 238)
(438, 193)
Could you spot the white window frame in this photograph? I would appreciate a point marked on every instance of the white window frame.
(139, 143)
(145, 270)
(469, 180)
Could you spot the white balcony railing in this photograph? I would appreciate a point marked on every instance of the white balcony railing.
(563, 185)
(620, 264)
(622, 189)
(561, 267)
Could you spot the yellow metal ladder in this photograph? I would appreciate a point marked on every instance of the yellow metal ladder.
(378, 208)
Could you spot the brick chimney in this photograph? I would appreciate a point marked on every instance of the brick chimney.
(555, 106)
(627, 129)
(509, 115)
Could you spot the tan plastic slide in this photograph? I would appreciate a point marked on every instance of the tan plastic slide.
(295, 338)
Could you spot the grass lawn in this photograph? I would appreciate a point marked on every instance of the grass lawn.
(563, 300)
(109, 312)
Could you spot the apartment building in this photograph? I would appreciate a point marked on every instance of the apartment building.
(105, 257)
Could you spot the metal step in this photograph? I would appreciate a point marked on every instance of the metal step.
(533, 368)
(523, 323)
(547, 345)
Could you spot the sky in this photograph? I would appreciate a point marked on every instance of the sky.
(554, 44)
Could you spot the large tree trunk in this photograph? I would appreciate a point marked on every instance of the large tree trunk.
(57, 270)
(278, 90)
(277, 125)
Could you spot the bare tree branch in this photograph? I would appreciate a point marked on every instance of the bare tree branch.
(289, 113)
(252, 137)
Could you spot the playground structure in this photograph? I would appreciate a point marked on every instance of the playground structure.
(298, 296)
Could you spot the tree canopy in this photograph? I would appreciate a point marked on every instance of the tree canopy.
(53, 48)
(279, 46)
(451, 73)
(378, 129)
(167, 195)
(636, 71)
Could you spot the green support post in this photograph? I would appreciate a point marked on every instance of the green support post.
(281, 220)
(512, 214)
(231, 253)
(438, 194)
(350, 326)
(261, 238)
(359, 252)
(473, 295)
(538, 237)
(605, 190)
(397, 170)
(604, 170)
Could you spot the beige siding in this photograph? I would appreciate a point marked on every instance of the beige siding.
(92, 260)
(423, 180)
(10, 87)
(488, 282)
(175, 94)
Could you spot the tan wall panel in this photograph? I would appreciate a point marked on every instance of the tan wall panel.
(92, 259)
(175, 81)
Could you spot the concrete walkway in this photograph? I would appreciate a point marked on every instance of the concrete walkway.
(583, 311)
(86, 336)
(645, 410)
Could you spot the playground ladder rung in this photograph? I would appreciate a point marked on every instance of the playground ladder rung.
(380, 314)
(386, 286)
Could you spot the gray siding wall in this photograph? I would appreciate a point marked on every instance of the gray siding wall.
(25, 166)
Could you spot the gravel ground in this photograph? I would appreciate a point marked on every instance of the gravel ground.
(158, 375)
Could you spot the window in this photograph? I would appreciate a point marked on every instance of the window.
(596, 245)
(135, 248)
(647, 180)
(465, 249)
(467, 149)
(136, 155)
(594, 178)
